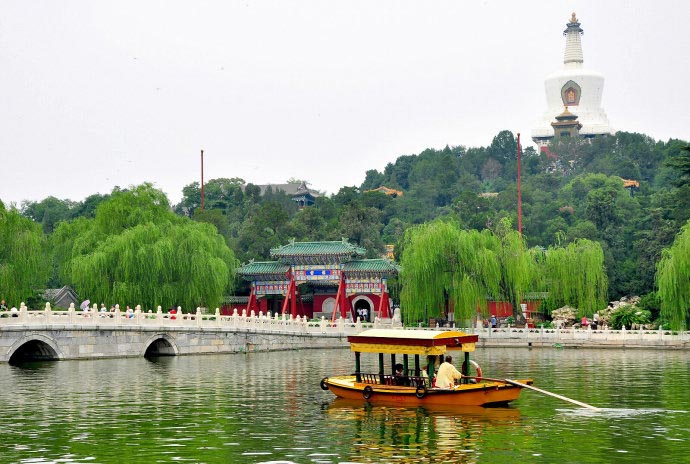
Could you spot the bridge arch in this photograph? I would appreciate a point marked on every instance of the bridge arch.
(160, 344)
(34, 347)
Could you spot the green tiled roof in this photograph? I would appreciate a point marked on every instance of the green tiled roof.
(318, 249)
(370, 265)
(263, 267)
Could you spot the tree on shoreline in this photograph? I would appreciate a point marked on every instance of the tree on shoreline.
(445, 267)
(673, 280)
(575, 275)
(23, 270)
(137, 251)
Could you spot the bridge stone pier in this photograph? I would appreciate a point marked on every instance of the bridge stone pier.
(52, 335)
(20, 344)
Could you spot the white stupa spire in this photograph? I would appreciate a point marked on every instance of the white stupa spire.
(573, 45)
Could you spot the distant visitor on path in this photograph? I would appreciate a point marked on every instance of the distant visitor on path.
(494, 322)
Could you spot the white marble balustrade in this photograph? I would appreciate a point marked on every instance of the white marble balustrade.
(140, 318)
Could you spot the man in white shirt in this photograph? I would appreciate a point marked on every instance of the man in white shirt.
(447, 373)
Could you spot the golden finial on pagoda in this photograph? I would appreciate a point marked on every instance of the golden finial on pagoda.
(573, 19)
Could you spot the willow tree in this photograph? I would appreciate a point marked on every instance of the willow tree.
(673, 280)
(23, 268)
(575, 276)
(443, 264)
(136, 251)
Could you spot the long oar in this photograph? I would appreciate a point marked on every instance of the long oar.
(560, 397)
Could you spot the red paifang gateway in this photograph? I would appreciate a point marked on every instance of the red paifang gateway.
(413, 387)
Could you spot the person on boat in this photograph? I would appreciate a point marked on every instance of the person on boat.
(400, 378)
(424, 373)
(447, 373)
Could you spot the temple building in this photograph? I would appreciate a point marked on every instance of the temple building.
(315, 279)
(578, 90)
(300, 193)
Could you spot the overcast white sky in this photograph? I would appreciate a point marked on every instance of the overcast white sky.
(96, 94)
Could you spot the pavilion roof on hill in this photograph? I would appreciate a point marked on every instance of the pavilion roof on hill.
(334, 252)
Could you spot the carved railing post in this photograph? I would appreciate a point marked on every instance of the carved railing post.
(70, 313)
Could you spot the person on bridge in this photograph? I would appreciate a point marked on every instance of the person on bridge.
(3, 306)
(447, 373)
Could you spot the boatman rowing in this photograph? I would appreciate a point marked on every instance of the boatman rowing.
(447, 373)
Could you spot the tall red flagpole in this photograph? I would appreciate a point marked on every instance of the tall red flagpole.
(519, 185)
(202, 179)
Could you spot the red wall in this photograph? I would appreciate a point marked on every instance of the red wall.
(505, 309)
(309, 308)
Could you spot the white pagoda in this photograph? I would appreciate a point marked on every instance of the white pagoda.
(574, 89)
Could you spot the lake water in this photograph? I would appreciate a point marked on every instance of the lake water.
(268, 407)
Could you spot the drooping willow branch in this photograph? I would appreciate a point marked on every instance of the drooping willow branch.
(673, 280)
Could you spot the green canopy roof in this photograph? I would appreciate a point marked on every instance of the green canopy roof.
(263, 268)
(370, 265)
(342, 248)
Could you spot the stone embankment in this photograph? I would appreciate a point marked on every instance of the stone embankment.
(582, 338)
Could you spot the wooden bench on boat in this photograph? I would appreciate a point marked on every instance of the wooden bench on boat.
(378, 379)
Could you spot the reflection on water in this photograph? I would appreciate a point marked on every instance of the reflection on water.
(268, 407)
(384, 433)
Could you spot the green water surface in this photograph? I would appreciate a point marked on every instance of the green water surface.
(268, 407)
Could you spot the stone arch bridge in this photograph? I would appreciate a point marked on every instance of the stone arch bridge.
(52, 335)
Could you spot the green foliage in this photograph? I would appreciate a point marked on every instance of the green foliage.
(445, 264)
(652, 303)
(575, 276)
(23, 269)
(362, 226)
(146, 256)
(681, 163)
(51, 211)
(572, 192)
(627, 315)
(673, 279)
(266, 227)
(48, 212)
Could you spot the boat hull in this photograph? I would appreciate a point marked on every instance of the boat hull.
(482, 393)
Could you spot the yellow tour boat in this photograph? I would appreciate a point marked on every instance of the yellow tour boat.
(406, 384)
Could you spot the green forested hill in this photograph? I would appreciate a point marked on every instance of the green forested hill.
(576, 192)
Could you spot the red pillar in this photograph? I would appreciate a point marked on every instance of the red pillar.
(341, 301)
(384, 302)
(252, 301)
(519, 185)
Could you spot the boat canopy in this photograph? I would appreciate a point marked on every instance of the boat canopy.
(422, 342)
